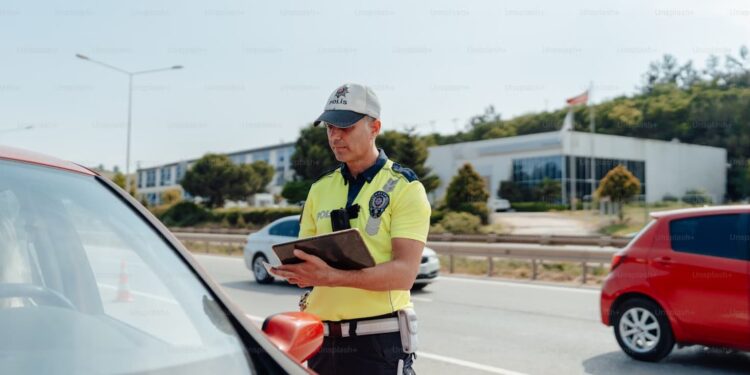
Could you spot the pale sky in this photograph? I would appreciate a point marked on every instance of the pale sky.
(256, 72)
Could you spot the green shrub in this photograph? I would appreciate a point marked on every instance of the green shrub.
(159, 210)
(240, 222)
(538, 206)
(460, 222)
(478, 209)
(225, 222)
(185, 214)
(231, 217)
(436, 216)
(669, 198)
(437, 229)
(296, 191)
(263, 216)
(696, 197)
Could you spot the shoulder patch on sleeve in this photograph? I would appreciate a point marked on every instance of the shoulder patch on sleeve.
(406, 172)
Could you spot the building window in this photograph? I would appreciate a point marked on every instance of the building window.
(601, 168)
(179, 173)
(166, 176)
(151, 178)
(280, 180)
(262, 155)
(531, 171)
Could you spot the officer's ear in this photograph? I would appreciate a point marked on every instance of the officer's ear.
(375, 127)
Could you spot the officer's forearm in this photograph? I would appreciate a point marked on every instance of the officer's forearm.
(393, 275)
(398, 274)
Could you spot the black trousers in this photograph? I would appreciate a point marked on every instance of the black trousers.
(370, 354)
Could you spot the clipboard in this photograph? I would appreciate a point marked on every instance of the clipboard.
(344, 249)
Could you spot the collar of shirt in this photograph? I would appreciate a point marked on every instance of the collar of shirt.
(368, 173)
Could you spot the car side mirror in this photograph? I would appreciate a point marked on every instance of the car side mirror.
(298, 334)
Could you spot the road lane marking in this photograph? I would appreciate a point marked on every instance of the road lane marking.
(522, 285)
(224, 257)
(421, 299)
(472, 365)
(435, 357)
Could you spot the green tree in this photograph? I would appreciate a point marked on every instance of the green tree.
(510, 190)
(260, 174)
(171, 196)
(620, 186)
(466, 188)
(119, 180)
(295, 192)
(312, 155)
(409, 150)
(548, 191)
(215, 178)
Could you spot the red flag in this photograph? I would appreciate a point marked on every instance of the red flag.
(580, 99)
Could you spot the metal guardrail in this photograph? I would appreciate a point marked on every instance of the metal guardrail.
(212, 237)
(533, 239)
(535, 253)
(488, 238)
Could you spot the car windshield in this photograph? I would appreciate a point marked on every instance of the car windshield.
(87, 286)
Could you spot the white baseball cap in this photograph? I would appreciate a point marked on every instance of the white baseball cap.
(348, 104)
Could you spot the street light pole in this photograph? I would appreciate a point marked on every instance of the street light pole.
(130, 103)
(128, 187)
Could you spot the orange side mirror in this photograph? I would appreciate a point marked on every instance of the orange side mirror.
(298, 334)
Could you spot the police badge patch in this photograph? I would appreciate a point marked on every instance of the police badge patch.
(378, 203)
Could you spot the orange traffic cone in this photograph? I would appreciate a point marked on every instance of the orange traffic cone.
(123, 290)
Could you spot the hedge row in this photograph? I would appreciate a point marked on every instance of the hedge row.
(538, 206)
(188, 214)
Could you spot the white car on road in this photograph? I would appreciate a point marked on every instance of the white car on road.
(258, 250)
(498, 204)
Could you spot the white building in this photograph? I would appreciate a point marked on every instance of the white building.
(155, 180)
(664, 168)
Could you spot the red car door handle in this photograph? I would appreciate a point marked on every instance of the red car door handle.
(664, 260)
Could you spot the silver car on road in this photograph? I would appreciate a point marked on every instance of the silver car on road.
(258, 250)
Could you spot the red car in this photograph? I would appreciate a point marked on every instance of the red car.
(685, 280)
(91, 282)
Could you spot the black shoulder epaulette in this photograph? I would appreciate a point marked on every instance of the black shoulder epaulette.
(326, 173)
(406, 172)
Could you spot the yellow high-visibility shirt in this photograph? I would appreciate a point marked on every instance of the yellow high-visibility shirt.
(393, 204)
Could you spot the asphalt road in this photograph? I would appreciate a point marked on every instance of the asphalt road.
(479, 326)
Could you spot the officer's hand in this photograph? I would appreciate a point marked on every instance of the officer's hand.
(312, 272)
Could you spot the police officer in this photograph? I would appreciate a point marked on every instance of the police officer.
(367, 313)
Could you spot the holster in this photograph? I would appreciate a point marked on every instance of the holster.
(407, 324)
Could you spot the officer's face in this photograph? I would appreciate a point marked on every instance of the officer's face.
(354, 142)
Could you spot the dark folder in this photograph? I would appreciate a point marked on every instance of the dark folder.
(343, 249)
